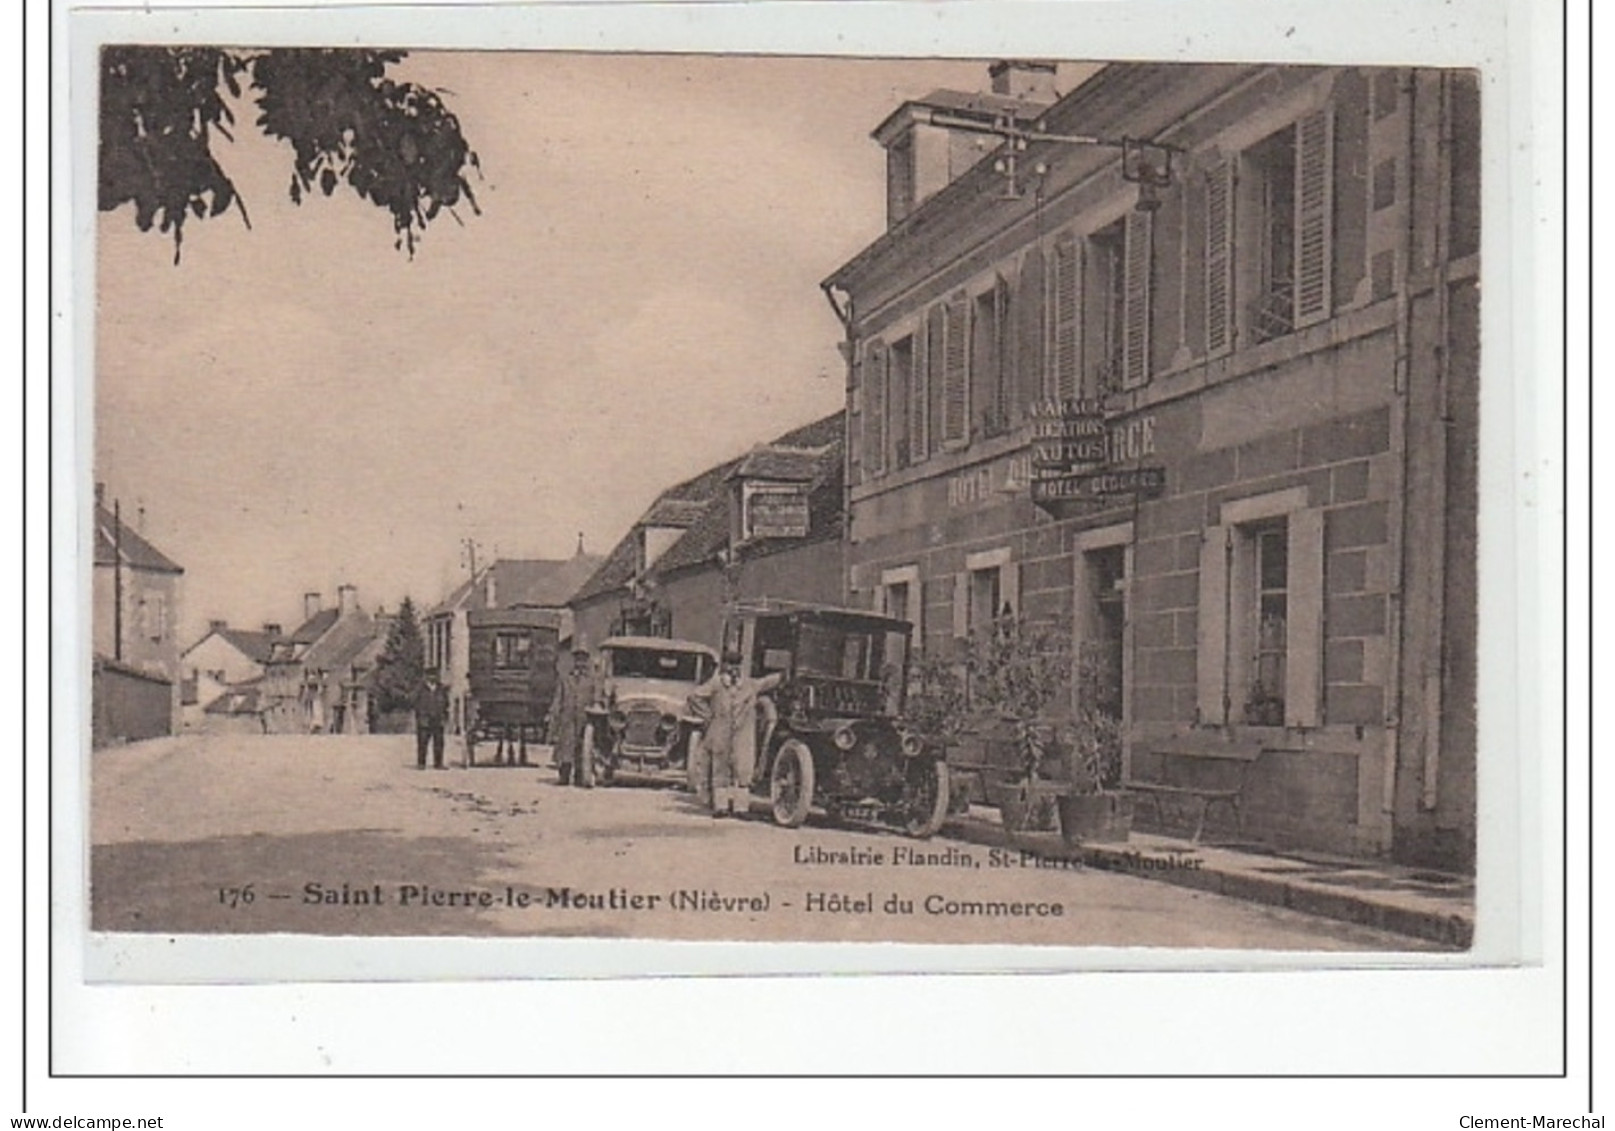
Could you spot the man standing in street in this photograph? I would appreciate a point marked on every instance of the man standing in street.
(574, 695)
(431, 711)
(729, 747)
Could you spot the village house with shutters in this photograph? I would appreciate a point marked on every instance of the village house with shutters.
(1188, 357)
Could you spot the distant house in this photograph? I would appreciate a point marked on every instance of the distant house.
(767, 524)
(135, 594)
(510, 583)
(223, 659)
(306, 668)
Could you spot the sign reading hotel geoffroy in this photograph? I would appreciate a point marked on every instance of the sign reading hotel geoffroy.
(1085, 486)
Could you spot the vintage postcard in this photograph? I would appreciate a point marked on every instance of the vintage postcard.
(1001, 501)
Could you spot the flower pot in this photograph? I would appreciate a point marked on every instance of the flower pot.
(1102, 818)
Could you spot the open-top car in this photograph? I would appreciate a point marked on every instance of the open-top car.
(643, 723)
(834, 737)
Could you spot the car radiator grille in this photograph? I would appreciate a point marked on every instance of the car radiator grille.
(641, 729)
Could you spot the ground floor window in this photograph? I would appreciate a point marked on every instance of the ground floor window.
(1260, 656)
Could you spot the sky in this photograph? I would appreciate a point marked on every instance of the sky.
(300, 405)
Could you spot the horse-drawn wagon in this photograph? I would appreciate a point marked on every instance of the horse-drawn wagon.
(512, 677)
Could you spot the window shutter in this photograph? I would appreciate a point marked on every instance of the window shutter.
(875, 408)
(1303, 644)
(1066, 341)
(1009, 589)
(919, 435)
(855, 418)
(1219, 259)
(1211, 664)
(1029, 356)
(1003, 364)
(956, 371)
(961, 605)
(1314, 208)
(1136, 316)
(935, 353)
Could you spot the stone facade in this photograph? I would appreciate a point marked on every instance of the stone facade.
(1290, 336)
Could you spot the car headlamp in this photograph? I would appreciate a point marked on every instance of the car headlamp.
(844, 738)
(618, 720)
(912, 746)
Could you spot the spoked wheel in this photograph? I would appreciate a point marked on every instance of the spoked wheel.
(928, 800)
(790, 785)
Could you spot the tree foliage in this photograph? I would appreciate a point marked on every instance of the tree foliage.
(400, 667)
(396, 144)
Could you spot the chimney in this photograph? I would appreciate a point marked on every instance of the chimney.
(311, 605)
(491, 589)
(1029, 79)
(271, 628)
(217, 625)
(347, 599)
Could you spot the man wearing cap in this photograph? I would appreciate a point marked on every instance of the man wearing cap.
(568, 717)
(729, 703)
(431, 711)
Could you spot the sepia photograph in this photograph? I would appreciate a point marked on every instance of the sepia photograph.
(765, 498)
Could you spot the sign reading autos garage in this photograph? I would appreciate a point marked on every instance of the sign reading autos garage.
(1075, 448)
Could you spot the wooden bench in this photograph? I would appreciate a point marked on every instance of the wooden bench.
(1230, 762)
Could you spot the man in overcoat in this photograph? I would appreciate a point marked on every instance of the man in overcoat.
(431, 711)
(574, 695)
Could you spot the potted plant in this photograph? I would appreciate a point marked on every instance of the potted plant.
(1096, 808)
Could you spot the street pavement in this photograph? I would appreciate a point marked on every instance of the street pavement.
(336, 835)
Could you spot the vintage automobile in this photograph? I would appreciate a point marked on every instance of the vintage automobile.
(643, 724)
(832, 737)
(512, 680)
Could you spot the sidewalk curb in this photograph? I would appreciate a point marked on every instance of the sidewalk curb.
(1448, 930)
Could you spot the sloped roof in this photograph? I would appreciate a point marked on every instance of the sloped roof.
(541, 583)
(791, 465)
(237, 699)
(673, 512)
(137, 552)
(814, 448)
(341, 640)
(254, 645)
(315, 626)
(456, 598)
(690, 497)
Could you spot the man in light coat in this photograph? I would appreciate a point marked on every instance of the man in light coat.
(729, 703)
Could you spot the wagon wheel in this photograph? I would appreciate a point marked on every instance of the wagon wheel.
(790, 785)
(928, 803)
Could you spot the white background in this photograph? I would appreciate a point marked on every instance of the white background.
(1465, 1023)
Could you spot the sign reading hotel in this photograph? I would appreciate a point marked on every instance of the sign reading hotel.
(776, 512)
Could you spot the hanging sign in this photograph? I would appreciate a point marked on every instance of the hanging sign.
(1094, 486)
(1074, 448)
(777, 513)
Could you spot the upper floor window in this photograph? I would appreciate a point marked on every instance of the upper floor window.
(988, 360)
(1268, 227)
(1107, 308)
(1270, 169)
(900, 397)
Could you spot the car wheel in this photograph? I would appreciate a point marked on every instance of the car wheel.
(928, 806)
(790, 785)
